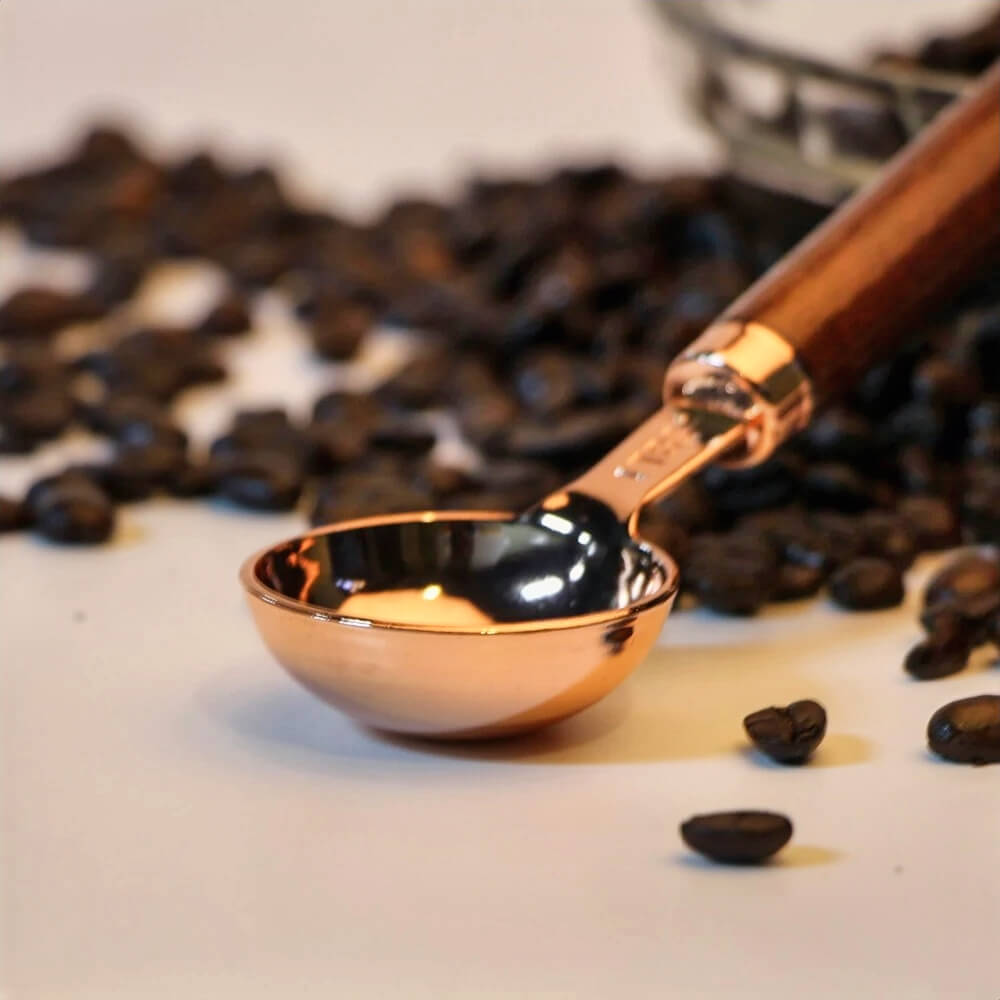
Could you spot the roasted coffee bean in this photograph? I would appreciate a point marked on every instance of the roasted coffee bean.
(867, 584)
(229, 316)
(787, 735)
(400, 434)
(13, 515)
(689, 506)
(115, 414)
(918, 472)
(944, 652)
(968, 576)
(937, 428)
(731, 574)
(151, 433)
(840, 435)
(795, 582)
(261, 480)
(984, 446)
(28, 368)
(358, 411)
(980, 503)
(794, 537)
(41, 414)
(967, 731)
(545, 383)
(843, 537)
(487, 416)
(35, 311)
(739, 491)
(420, 384)
(363, 494)
(192, 479)
(943, 382)
(744, 837)
(574, 440)
(72, 509)
(888, 537)
(985, 415)
(447, 480)
(972, 617)
(838, 487)
(337, 331)
(931, 521)
(656, 526)
(137, 471)
(333, 444)
(116, 279)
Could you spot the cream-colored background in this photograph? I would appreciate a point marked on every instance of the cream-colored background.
(179, 821)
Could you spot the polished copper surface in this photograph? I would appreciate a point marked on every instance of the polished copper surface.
(397, 622)
(750, 372)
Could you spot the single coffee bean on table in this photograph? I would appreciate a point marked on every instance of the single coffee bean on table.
(787, 735)
(967, 731)
(741, 837)
(72, 509)
(944, 652)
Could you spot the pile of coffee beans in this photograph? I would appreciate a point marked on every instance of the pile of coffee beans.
(548, 309)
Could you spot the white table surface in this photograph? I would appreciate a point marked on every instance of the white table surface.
(179, 820)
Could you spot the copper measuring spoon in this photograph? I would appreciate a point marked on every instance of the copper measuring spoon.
(470, 624)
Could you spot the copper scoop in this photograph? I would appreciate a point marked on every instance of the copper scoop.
(471, 624)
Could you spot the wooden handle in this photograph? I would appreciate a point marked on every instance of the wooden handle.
(845, 295)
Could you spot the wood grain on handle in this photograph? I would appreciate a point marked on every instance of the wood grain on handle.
(849, 291)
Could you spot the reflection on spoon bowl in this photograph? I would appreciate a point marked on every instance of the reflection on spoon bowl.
(460, 624)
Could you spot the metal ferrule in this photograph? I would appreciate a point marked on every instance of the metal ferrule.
(750, 374)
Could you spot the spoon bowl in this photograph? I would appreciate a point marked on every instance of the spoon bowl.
(459, 624)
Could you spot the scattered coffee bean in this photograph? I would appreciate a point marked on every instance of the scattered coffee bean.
(138, 471)
(944, 652)
(788, 735)
(229, 317)
(967, 731)
(968, 576)
(794, 583)
(39, 311)
(931, 521)
(192, 479)
(867, 584)
(72, 509)
(733, 574)
(888, 537)
(744, 837)
(262, 480)
(13, 515)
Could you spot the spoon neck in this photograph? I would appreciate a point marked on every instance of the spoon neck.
(655, 458)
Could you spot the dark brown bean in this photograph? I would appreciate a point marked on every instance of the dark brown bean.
(967, 731)
(229, 316)
(967, 576)
(942, 653)
(13, 515)
(72, 509)
(261, 480)
(34, 311)
(787, 735)
(931, 521)
(867, 584)
(744, 837)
